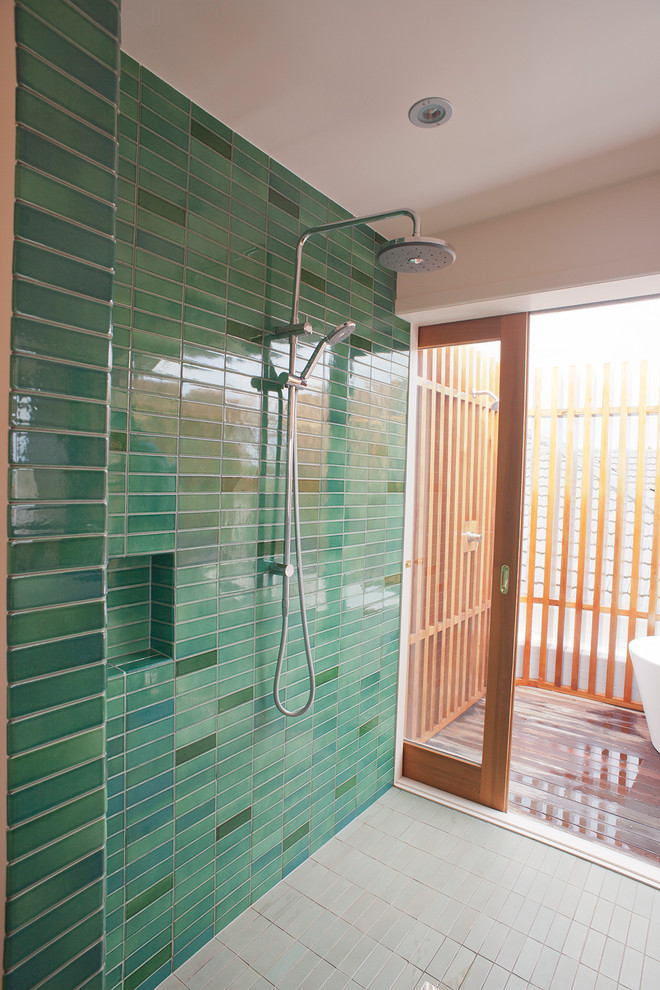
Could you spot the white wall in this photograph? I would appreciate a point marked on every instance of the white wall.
(589, 248)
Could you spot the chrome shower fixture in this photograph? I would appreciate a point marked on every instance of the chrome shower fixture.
(426, 254)
(417, 254)
(334, 337)
(412, 255)
(495, 404)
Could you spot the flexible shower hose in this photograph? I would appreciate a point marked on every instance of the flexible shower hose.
(292, 496)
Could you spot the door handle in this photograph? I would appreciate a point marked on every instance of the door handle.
(504, 579)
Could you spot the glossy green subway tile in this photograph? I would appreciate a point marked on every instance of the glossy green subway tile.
(33, 337)
(59, 689)
(57, 378)
(178, 114)
(164, 208)
(40, 153)
(80, 30)
(40, 77)
(210, 138)
(51, 958)
(39, 590)
(38, 519)
(55, 48)
(40, 832)
(43, 302)
(64, 786)
(40, 448)
(152, 142)
(53, 484)
(170, 128)
(56, 124)
(57, 921)
(55, 554)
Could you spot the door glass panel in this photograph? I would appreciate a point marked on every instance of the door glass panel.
(456, 465)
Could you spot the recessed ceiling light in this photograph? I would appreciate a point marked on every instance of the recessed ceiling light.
(430, 112)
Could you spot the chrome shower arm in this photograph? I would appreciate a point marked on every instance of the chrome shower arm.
(336, 225)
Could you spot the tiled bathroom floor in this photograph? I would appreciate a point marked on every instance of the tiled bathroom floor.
(412, 892)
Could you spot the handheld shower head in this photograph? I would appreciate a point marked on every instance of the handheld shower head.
(335, 336)
(340, 333)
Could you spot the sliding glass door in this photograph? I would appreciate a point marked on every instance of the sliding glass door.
(464, 570)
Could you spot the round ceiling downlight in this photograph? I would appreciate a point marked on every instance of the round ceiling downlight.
(430, 112)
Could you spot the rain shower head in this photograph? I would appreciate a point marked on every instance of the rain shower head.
(335, 336)
(416, 254)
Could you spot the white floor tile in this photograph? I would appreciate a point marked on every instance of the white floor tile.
(650, 974)
(564, 973)
(610, 964)
(637, 931)
(477, 974)
(585, 978)
(413, 892)
(458, 968)
(544, 970)
(632, 965)
(527, 958)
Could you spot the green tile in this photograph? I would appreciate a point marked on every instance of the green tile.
(53, 555)
(56, 49)
(210, 138)
(40, 590)
(78, 29)
(50, 122)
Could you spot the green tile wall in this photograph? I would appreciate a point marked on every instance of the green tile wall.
(67, 69)
(211, 795)
(206, 236)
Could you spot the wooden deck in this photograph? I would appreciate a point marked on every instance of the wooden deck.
(580, 765)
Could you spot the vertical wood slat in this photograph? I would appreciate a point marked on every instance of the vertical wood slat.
(465, 660)
(489, 509)
(585, 495)
(533, 526)
(618, 528)
(615, 527)
(477, 512)
(565, 528)
(549, 527)
(600, 526)
(415, 719)
(447, 503)
(449, 624)
(455, 633)
(638, 521)
(440, 357)
(431, 454)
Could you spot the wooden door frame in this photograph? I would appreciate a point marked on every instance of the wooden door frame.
(487, 783)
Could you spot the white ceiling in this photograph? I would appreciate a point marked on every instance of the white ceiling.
(550, 98)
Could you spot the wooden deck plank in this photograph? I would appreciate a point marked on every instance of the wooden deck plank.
(579, 765)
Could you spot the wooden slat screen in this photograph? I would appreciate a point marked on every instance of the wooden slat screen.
(591, 544)
(456, 457)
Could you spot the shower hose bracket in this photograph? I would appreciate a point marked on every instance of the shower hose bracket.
(285, 570)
